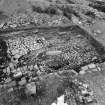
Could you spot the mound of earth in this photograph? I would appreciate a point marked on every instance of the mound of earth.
(44, 44)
